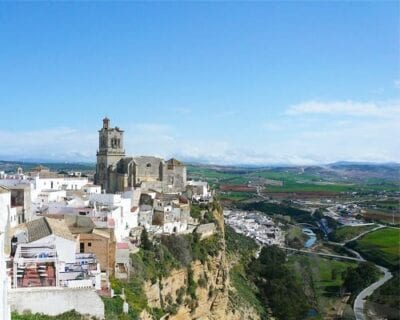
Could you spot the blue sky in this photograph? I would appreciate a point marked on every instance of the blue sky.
(260, 82)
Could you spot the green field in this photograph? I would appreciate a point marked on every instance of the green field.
(294, 180)
(381, 246)
(293, 186)
(236, 196)
(321, 278)
(346, 233)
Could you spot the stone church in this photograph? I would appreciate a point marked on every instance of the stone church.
(117, 173)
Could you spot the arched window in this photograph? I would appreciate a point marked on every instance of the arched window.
(148, 165)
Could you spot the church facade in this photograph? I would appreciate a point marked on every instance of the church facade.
(116, 172)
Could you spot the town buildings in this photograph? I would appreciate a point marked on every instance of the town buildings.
(66, 233)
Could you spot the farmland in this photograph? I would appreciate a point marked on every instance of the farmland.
(346, 233)
(381, 246)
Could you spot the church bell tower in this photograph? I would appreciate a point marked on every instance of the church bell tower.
(111, 150)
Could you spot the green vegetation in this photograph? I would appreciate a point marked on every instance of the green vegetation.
(320, 278)
(388, 297)
(145, 242)
(299, 180)
(70, 315)
(346, 233)
(386, 205)
(195, 211)
(188, 248)
(155, 261)
(293, 186)
(192, 285)
(240, 246)
(360, 277)
(279, 288)
(236, 195)
(245, 290)
(153, 264)
(295, 238)
(203, 212)
(135, 298)
(381, 246)
(241, 251)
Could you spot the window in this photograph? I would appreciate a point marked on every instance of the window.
(148, 165)
(82, 247)
(89, 244)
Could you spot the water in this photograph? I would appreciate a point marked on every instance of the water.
(312, 238)
(312, 313)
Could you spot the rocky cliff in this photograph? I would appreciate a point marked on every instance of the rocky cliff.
(200, 289)
(209, 299)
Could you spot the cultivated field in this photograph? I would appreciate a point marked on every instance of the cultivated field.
(381, 246)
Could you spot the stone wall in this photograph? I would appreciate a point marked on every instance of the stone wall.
(54, 301)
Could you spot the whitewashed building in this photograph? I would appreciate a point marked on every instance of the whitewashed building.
(4, 307)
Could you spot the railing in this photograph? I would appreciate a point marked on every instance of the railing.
(77, 283)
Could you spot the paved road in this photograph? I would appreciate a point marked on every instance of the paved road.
(364, 233)
(359, 303)
(328, 255)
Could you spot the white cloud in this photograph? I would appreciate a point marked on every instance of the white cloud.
(287, 140)
(53, 144)
(351, 108)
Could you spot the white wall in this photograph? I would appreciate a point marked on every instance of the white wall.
(5, 200)
(4, 307)
(66, 249)
(92, 189)
(54, 301)
(46, 196)
(5, 205)
(64, 183)
(105, 198)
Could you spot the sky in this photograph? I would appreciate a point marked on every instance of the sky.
(214, 82)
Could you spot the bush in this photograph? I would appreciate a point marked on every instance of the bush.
(356, 279)
(70, 315)
(192, 286)
(135, 297)
(195, 212)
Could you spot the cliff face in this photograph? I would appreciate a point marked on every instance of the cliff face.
(210, 298)
(203, 290)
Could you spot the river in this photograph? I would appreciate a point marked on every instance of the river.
(312, 238)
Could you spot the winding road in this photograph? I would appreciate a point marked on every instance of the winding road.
(359, 303)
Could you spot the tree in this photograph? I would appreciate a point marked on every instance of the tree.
(334, 273)
(145, 242)
(278, 285)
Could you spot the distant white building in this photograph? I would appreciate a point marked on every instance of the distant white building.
(199, 190)
(35, 190)
(91, 188)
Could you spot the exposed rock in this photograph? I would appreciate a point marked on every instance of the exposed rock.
(211, 301)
